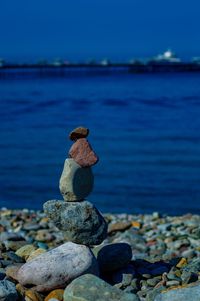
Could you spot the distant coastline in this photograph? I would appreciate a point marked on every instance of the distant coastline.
(162, 63)
(21, 71)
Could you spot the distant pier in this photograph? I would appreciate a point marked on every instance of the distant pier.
(17, 71)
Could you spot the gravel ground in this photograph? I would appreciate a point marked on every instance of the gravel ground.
(165, 250)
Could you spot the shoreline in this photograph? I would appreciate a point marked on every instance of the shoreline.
(166, 249)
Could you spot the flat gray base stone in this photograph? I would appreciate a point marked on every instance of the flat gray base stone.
(91, 288)
(81, 221)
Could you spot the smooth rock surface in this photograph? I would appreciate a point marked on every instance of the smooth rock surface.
(114, 256)
(77, 133)
(90, 288)
(56, 294)
(25, 251)
(81, 221)
(190, 293)
(8, 291)
(76, 182)
(121, 275)
(57, 267)
(82, 152)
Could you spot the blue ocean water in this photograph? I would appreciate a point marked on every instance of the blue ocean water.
(145, 129)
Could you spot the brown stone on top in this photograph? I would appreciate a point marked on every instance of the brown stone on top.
(82, 153)
(78, 133)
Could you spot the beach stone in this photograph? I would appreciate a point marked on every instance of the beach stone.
(77, 133)
(81, 151)
(10, 255)
(76, 183)
(15, 245)
(12, 270)
(56, 294)
(25, 251)
(8, 291)
(193, 266)
(20, 289)
(35, 253)
(81, 221)
(90, 288)
(188, 293)
(122, 275)
(119, 226)
(57, 267)
(114, 256)
(189, 277)
(2, 273)
(31, 295)
(10, 236)
(44, 236)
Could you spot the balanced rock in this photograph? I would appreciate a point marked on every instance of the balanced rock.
(76, 183)
(57, 267)
(8, 291)
(78, 133)
(90, 288)
(81, 151)
(81, 221)
(114, 256)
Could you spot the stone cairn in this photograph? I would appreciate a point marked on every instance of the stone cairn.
(72, 266)
(83, 224)
(81, 221)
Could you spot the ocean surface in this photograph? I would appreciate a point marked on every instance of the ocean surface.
(144, 127)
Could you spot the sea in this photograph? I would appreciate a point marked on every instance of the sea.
(145, 129)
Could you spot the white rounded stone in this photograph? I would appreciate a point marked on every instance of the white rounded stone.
(57, 267)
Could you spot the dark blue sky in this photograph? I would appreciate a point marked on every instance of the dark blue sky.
(82, 29)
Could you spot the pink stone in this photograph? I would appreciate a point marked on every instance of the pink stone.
(82, 153)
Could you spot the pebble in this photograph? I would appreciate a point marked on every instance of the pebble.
(56, 294)
(10, 236)
(182, 263)
(172, 283)
(44, 236)
(76, 183)
(119, 226)
(2, 273)
(31, 295)
(188, 293)
(77, 133)
(8, 291)
(25, 251)
(14, 245)
(57, 267)
(121, 275)
(35, 253)
(153, 281)
(172, 240)
(12, 270)
(81, 221)
(82, 153)
(189, 277)
(92, 288)
(114, 256)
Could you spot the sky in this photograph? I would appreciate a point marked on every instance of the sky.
(86, 29)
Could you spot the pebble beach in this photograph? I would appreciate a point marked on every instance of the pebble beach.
(164, 262)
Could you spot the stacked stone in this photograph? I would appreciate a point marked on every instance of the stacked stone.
(82, 222)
